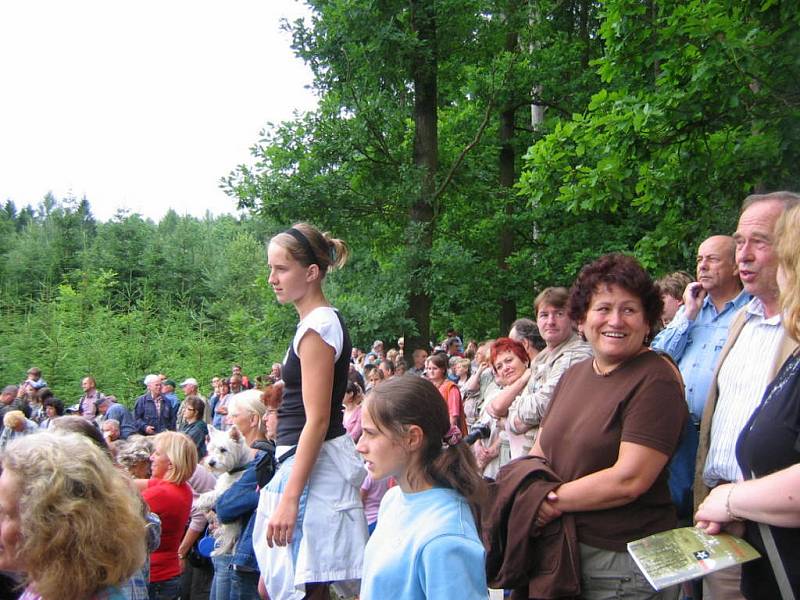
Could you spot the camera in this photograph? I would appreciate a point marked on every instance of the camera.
(479, 432)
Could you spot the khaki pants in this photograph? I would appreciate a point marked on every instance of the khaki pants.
(723, 585)
(608, 575)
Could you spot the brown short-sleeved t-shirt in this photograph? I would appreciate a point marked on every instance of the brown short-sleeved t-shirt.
(641, 402)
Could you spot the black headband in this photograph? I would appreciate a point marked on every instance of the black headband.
(303, 241)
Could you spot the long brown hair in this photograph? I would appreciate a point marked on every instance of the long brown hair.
(404, 401)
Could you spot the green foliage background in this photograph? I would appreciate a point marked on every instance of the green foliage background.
(185, 296)
(658, 118)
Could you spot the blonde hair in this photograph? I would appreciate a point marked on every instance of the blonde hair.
(330, 253)
(249, 401)
(463, 362)
(787, 247)
(13, 419)
(181, 452)
(71, 497)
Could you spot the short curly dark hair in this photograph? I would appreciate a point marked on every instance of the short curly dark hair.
(57, 404)
(621, 270)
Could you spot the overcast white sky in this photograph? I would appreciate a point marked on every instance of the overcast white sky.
(141, 105)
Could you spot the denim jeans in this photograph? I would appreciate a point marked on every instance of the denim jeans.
(169, 589)
(221, 585)
(244, 585)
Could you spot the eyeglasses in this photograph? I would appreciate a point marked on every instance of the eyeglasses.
(187, 409)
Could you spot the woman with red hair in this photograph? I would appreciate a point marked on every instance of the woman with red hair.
(510, 361)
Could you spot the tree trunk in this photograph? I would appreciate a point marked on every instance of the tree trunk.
(507, 175)
(537, 115)
(508, 306)
(537, 110)
(426, 158)
(584, 33)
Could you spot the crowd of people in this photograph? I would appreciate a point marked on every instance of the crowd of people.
(625, 407)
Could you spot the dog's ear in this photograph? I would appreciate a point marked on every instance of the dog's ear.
(212, 430)
(235, 434)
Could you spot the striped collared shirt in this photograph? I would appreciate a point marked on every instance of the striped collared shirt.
(743, 377)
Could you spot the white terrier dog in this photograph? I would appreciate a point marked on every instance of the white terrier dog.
(228, 455)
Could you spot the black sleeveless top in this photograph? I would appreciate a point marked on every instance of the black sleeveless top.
(770, 442)
(292, 412)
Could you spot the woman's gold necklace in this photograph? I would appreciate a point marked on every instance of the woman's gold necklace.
(599, 371)
(602, 373)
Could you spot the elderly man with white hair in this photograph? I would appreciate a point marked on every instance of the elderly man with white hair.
(110, 430)
(152, 412)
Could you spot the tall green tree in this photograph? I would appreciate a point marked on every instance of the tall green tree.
(698, 107)
(404, 151)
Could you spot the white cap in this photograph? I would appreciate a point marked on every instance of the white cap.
(189, 381)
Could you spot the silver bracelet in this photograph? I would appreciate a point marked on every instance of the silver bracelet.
(731, 516)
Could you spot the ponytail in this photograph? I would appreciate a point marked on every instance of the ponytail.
(445, 459)
(310, 246)
(455, 467)
(338, 250)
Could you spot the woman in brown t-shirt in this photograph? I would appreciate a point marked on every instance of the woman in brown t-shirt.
(612, 426)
